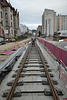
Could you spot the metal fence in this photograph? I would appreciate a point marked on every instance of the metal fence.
(59, 53)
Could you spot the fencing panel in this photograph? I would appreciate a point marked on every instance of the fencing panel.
(57, 52)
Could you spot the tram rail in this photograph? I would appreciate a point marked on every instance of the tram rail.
(50, 81)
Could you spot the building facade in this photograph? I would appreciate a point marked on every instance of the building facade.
(52, 23)
(1, 21)
(62, 22)
(48, 22)
(23, 28)
(43, 23)
(39, 29)
(9, 20)
(16, 23)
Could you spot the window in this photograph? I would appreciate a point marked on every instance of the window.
(11, 24)
(2, 22)
(1, 15)
(6, 16)
(11, 17)
(10, 10)
(6, 23)
(0, 30)
(6, 9)
(1, 7)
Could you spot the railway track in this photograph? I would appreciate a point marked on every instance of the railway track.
(34, 78)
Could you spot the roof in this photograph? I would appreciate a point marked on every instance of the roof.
(6, 4)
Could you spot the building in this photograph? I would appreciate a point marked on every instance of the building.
(9, 20)
(1, 20)
(39, 29)
(48, 22)
(43, 23)
(52, 23)
(62, 22)
(16, 23)
(23, 28)
(30, 32)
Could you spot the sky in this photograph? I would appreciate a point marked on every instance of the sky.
(31, 11)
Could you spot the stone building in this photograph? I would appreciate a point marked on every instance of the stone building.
(48, 22)
(9, 20)
(1, 20)
(16, 22)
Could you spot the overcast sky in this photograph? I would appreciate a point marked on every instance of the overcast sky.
(31, 10)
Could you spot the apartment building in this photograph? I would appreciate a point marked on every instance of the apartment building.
(62, 22)
(52, 23)
(10, 20)
(23, 28)
(1, 21)
(16, 22)
(43, 25)
(48, 22)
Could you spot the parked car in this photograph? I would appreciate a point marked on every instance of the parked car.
(12, 40)
(6, 40)
(2, 41)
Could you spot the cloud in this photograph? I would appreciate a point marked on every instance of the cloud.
(32, 10)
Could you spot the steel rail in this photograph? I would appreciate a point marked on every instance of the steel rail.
(13, 87)
(52, 87)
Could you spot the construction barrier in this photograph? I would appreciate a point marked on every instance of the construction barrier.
(59, 53)
(63, 73)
